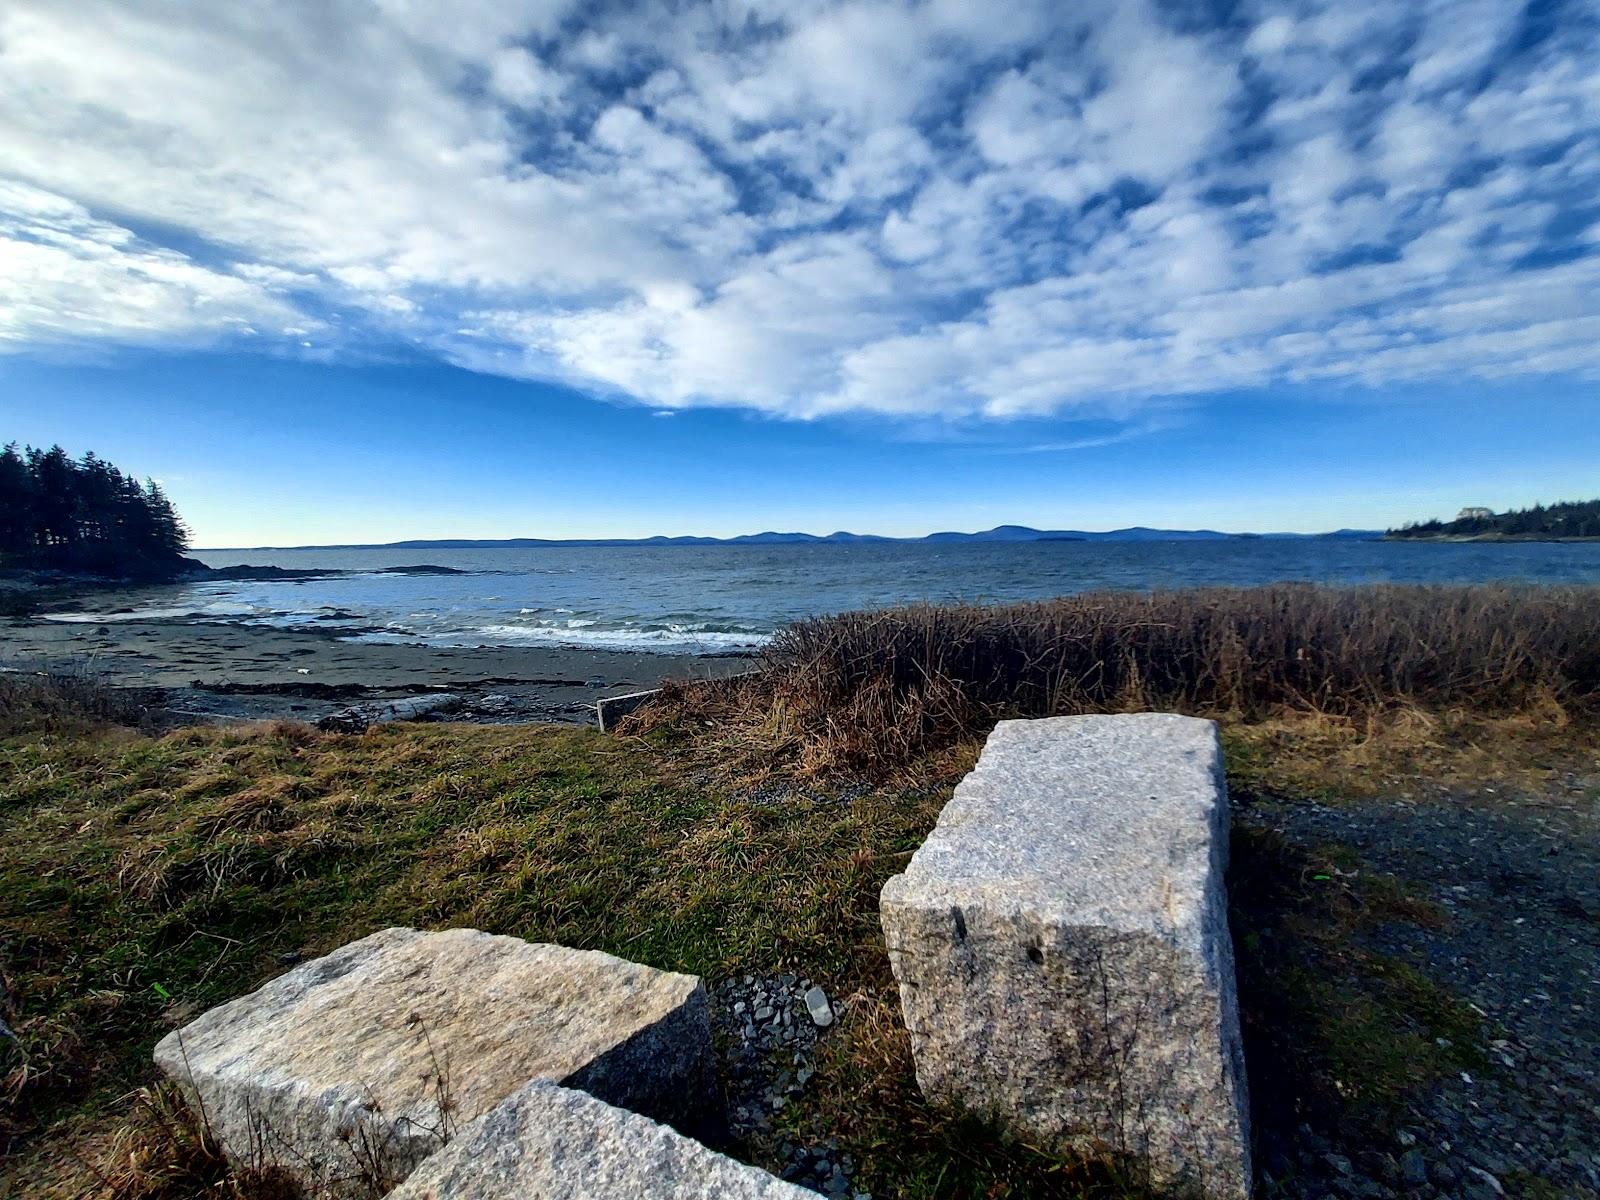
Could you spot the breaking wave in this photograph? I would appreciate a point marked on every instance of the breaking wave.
(582, 634)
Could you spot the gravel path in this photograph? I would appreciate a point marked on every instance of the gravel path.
(768, 1030)
(1520, 880)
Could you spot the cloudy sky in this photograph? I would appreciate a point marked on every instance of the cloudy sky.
(346, 269)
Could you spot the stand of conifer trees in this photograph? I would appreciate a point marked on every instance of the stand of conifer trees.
(1568, 519)
(85, 515)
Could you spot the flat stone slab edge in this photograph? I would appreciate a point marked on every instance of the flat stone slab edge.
(548, 1141)
(609, 710)
(351, 1069)
(1062, 950)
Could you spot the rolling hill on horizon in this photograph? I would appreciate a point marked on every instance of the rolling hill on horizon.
(1000, 533)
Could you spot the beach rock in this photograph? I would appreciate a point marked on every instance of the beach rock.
(1413, 1168)
(819, 1008)
(555, 1142)
(350, 1069)
(767, 1064)
(1062, 948)
(357, 717)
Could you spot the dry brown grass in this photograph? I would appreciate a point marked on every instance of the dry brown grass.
(144, 879)
(869, 692)
(165, 1150)
(1411, 754)
(69, 698)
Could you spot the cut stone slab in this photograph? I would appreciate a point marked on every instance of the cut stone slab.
(553, 1143)
(1062, 949)
(350, 1069)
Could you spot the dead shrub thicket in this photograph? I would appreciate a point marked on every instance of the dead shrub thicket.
(867, 689)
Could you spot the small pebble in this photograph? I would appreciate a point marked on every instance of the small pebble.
(819, 1008)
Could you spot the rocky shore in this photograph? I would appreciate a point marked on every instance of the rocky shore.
(222, 672)
(1483, 537)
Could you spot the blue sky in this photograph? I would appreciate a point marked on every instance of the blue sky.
(384, 269)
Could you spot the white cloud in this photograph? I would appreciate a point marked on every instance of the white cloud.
(1165, 105)
(908, 207)
(65, 276)
(471, 27)
(1271, 37)
(519, 77)
(1457, 39)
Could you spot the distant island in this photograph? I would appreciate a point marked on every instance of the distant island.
(1566, 521)
(1000, 533)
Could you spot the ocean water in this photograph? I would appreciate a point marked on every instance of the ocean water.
(717, 599)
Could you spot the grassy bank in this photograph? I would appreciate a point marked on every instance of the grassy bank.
(144, 878)
(866, 691)
(59, 701)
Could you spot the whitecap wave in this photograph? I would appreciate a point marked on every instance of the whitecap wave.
(459, 622)
(587, 637)
(219, 610)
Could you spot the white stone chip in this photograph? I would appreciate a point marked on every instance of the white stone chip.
(819, 1008)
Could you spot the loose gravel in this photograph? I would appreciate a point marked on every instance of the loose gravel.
(1519, 877)
(768, 1029)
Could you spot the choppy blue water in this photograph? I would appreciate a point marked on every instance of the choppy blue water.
(710, 599)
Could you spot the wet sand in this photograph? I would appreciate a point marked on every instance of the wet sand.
(234, 672)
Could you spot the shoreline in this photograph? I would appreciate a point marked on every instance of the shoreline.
(226, 672)
(1488, 537)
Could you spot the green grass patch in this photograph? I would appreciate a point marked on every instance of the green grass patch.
(143, 880)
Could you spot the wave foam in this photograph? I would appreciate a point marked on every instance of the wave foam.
(209, 612)
(683, 641)
(432, 624)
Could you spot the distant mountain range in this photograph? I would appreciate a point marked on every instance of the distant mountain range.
(1000, 533)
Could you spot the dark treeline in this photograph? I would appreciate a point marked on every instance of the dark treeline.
(60, 513)
(1567, 519)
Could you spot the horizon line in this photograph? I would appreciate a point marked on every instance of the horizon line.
(747, 538)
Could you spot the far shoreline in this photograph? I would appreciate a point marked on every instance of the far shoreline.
(1486, 537)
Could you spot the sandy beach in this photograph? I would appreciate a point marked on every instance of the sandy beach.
(227, 672)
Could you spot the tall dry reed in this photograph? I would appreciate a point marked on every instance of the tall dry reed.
(866, 688)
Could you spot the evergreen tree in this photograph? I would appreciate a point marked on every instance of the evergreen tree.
(168, 529)
(16, 504)
(1566, 519)
(55, 501)
(85, 516)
